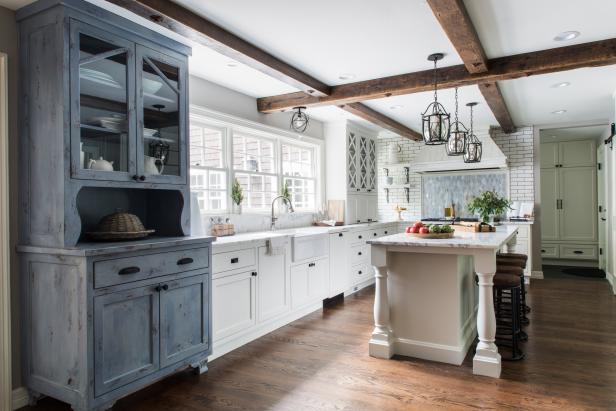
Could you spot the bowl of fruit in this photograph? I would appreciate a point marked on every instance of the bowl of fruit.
(422, 230)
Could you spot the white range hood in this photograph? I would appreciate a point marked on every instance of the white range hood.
(431, 159)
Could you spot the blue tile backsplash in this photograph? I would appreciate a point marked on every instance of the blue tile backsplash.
(439, 191)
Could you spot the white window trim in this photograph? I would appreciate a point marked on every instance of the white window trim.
(233, 124)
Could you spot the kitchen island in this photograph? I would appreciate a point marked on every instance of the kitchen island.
(426, 301)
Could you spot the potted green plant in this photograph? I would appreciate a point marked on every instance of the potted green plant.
(283, 206)
(488, 205)
(237, 196)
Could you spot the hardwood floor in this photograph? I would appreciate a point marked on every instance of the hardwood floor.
(321, 362)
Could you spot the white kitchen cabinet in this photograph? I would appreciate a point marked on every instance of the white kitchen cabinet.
(579, 153)
(338, 263)
(354, 180)
(578, 193)
(309, 282)
(273, 285)
(549, 155)
(233, 304)
(550, 211)
(569, 200)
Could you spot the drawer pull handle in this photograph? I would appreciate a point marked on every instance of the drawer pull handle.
(340, 235)
(163, 287)
(578, 252)
(254, 273)
(543, 251)
(359, 272)
(129, 270)
(311, 265)
(185, 260)
(360, 237)
(235, 260)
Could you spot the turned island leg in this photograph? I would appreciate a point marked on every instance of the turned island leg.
(381, 345)
(487, 360)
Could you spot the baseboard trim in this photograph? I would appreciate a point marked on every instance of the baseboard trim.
(612, 280)
(449, 354)
(536, 275)
(20, 398)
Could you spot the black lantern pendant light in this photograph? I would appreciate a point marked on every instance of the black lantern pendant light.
(472, 153)
(435, 120)
(456, 144)
(299, 120)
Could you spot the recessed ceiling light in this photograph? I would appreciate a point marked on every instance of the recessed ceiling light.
(560, 85)
(396, 107)
(559, 112)
(231, 63)
(346, 76)
(567, 35)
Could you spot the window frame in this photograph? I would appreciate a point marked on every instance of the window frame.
(314, 171)
(225, 163)
(235, 125)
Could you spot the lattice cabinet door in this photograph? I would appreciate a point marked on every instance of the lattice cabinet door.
(352, 155)
(363, 163)
(372, 173)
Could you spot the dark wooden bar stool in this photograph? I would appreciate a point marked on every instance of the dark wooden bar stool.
(520, 260)
(507, 290)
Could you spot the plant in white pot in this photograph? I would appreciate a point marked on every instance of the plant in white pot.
(489, 205)
(237, 196)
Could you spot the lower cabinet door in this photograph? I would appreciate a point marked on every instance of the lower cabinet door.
(233, 304)
(126, 334)
(300, 290)
(318, 279)
(184, 319)
(272, 285)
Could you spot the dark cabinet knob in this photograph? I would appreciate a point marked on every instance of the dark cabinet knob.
(254, 273)
(135, 177)
(340, 235)
(186, 260)
(374, 234)
(360, 237)
(359, 272)
(543, 251)
(141, 178)
(129, 270)
(235, 260)
(359, 253)
(160, 288)
(385, 232)
(359, 221)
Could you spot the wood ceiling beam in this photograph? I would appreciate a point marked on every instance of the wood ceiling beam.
(202, 31)
(186, 23)
(457, 24)
(381, 120)
(491, 92)
(595, 54)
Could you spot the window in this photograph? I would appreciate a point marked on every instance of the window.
(262, 161)
(299, 172)
(208, 173)
(254, 167)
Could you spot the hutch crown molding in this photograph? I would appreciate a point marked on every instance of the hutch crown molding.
(104, 119)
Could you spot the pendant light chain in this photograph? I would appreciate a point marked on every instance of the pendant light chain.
(472, 133)
(435, 82)
(456, 123)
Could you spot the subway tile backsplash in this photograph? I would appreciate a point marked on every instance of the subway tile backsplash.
(440, 191)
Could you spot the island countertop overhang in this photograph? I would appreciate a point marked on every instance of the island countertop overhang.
(492, 240)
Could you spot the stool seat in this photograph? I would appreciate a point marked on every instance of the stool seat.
(502, 280)
(511, 261)
(513, 255)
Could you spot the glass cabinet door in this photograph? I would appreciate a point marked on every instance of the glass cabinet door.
(102, 84)
(161, 117)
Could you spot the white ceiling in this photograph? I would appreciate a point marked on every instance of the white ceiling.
(374, 39)
(574, 133)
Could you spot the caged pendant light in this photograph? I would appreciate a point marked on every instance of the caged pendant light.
(456, 144)
(472, 152)
(435, 120)
(299, 120)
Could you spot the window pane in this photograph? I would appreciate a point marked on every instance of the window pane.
(302, 193)
(253, 154)
(206, 147)
(259, 190)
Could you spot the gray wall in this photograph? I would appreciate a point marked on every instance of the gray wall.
(210, 95)
(8, 45)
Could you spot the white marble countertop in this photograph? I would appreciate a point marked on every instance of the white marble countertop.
(295, 232)
(461, 239)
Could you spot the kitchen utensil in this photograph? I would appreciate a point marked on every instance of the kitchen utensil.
(393, 154)
(100, 165)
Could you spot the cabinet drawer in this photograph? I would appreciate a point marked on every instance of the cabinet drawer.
(233, 260)
(359, 253)
(360, 273)
(141, 267)
(578, 252)
(360, 236)
(550, 251)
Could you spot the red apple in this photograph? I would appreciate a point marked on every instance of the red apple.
(415, 230)
(424, 230)
(409, 229)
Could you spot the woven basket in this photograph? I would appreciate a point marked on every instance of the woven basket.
(119, 226)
